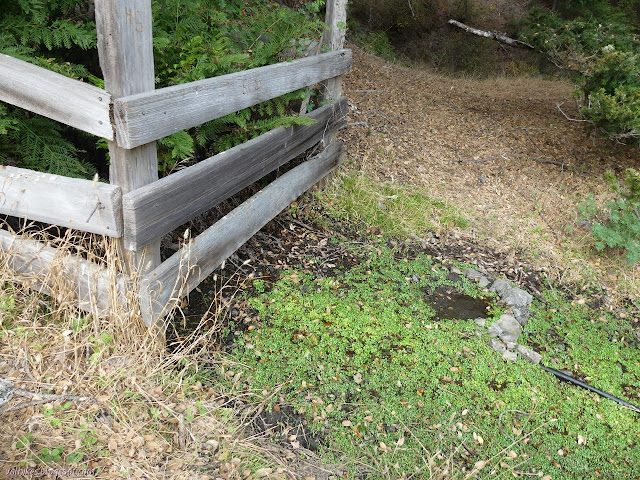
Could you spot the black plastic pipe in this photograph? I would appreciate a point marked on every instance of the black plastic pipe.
(582, 384)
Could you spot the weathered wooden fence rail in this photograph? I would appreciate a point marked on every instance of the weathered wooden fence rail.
(159, 207)
(69, 202)
(55, 96)
(184, 270)
(63, 276)
(149, 116)
(137, 208)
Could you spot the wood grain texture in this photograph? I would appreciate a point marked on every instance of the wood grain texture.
(333, 39)
(158, 208)
(125, 47)
(149, 116)
(55, 96)
(61, 275)
(181, 273)
(69, 202)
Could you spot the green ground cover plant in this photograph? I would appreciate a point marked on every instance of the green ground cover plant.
(394, 392)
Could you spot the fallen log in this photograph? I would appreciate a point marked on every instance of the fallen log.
(500, 37)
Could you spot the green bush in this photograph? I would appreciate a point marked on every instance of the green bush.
(619, 226)
(604, 53)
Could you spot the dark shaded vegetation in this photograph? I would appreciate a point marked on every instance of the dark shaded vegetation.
(193, 40)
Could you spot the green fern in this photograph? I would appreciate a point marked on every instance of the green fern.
(173, 148)
(193, 39)
(37, 143)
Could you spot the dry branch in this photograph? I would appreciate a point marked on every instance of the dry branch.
(500, 37)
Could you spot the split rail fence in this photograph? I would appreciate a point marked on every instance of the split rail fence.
(136, 207)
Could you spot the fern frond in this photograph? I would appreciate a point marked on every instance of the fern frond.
(42, 148)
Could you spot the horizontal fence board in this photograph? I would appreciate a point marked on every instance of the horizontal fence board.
(61, 275)
(149, 116)
(182, 272)
(69, 202)
(158, 208)
(55, 96)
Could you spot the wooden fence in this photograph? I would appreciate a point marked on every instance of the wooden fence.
(137, 208)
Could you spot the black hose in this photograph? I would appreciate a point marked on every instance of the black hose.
(582, 384)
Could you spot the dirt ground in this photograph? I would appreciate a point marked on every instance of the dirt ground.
(509, 152)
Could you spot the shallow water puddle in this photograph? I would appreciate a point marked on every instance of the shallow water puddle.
(452, 304)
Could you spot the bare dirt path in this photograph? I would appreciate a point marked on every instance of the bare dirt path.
(500, 149)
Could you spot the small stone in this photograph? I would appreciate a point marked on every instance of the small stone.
(472, 273)
(516, 297)
(507, 328)
(415, 278)
(456, 270)
(511, 356)
(521, 315)
(497, 345)
(484, 282)
(481, 322)
(500, 287)
(511, 346)
(529, 355)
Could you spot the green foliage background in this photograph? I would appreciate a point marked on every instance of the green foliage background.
(193, 39)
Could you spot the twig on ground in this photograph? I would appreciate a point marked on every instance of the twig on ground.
(40, 398)
(559, 107)
(479, 160)
(25, 365)
(551, 162)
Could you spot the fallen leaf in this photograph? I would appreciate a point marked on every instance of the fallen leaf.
(263, 472)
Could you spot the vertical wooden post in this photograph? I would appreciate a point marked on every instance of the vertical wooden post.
(336, 21)
(125, 47)
(333, 38)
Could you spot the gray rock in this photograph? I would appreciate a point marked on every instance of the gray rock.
(512, 356)
(516, 297)
(511, 346)
(484, 282)
(521, 314)
(6, 390)
(497, 345)
(506, 328)
(481, 322)
(500, 287)
(456, 270)
(472, 274)
(530, 355)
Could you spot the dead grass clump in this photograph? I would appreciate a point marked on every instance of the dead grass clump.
(96, 393)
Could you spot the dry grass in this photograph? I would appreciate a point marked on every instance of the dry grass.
(501, 151)
(101, 394)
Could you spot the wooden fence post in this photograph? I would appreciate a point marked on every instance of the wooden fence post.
(333, 38)
(125, 47)
(336, 21)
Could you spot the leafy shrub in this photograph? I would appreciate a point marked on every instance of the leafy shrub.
(620, 227)
(605, 55)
